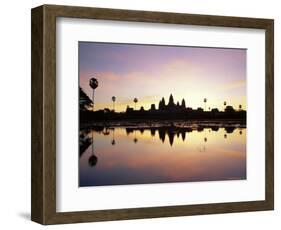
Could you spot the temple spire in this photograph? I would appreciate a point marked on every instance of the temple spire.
(171, 101)
(183, 104)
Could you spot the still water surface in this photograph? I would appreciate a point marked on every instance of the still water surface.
(133, 155)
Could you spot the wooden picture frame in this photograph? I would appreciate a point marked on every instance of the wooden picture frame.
(43, 208)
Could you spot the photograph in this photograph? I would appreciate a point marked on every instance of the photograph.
(141, 114)
(160, 114)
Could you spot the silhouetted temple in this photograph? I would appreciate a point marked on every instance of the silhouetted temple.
(169, 111)
(171, 106)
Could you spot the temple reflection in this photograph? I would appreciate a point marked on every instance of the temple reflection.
(229, 129)
(165, 133)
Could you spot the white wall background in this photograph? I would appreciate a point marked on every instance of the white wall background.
(15, 114)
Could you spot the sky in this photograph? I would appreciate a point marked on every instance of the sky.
(150, 72)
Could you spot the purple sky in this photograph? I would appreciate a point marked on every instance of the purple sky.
(151, 72)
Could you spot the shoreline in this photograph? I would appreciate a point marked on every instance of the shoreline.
(194, 124)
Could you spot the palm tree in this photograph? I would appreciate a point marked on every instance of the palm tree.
(240, 107)
(205, 101)
(94, 84)
(85, 103)
(113, 99)
(224, 103)
(135, 101)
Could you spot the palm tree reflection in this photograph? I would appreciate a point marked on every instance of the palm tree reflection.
(135, 138)
(202, 148)
(93, 159)
(113, 137)
(106, 132)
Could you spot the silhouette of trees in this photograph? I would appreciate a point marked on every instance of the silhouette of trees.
(215, 110)
(84, 141)
(128, 109)
(85, 103)
(199, 109)
(229, 109)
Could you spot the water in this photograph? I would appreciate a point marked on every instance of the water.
(161, 154)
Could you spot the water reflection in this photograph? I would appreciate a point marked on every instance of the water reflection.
(84, 141)
(164, 133)
(108, 155)
(113, 142)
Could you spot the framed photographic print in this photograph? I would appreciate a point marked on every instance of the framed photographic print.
(140, 114)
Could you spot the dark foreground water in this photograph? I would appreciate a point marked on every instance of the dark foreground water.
(161, 154)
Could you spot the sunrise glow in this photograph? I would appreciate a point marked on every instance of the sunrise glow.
(150, 72)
